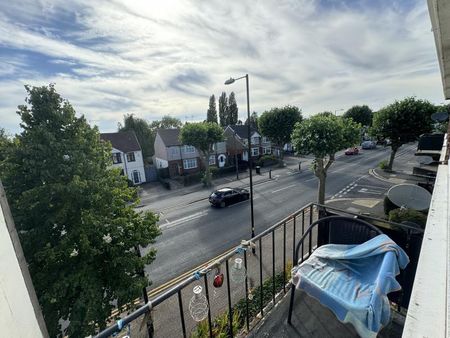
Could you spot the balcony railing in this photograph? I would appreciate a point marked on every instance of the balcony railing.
(239, 305)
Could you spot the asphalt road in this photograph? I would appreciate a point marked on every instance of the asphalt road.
(194, 232)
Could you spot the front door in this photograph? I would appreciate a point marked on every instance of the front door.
(136, 177)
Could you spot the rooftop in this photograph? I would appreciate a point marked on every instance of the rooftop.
(125, 141)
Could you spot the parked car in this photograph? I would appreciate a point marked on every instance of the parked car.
(352, 151)
(226, 196)
(368, 145)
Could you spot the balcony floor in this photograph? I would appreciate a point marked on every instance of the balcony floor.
(311, 319)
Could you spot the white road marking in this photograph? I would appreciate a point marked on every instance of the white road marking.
(183, 220)
(311, 179)
(365, 191)
(289, 186)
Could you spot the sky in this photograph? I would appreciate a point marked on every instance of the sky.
(155, 58)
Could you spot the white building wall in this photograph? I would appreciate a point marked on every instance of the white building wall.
(129, 167)
(17, 315)
(161, 163)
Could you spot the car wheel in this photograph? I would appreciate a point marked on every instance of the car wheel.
(222, 204)
(246, 197)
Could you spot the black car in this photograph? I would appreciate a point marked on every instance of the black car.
(226, 196)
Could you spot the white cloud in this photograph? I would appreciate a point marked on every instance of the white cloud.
(157, 58)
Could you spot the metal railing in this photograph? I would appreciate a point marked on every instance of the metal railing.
(289, 230)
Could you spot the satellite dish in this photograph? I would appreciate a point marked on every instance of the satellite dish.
(425, 159)
(439, 116)
(409, 196)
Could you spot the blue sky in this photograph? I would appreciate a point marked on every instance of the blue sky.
(153, 58)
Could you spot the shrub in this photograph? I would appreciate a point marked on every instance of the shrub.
(193, 178)
(402, 214)
(388, 205)
(267, 160)
(383, 164)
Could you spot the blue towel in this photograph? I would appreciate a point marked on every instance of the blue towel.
(354, 280)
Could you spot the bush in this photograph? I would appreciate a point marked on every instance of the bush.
(192, 178)
(267, 160)
(383, 164)
(164, 182)
(163, 173)
(402, 215)
(388, 206)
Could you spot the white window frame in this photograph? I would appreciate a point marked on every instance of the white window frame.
(255, 140)
(138, 176)
(265, 139)
(117, 158)
(189, 149)
(255, 151)
(267, 150)
(190, 163)
(212, 159)
(129, 155)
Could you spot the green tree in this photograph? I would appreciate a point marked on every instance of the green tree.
(402, 122)
(360, 114)
(223, 109)
(322, 136)
(232, 110)
(144, 133)
(167, 122)
(202, 136)
(5, 143)
(278, 123)
(76, 218)
(253, 120)
(211, 114)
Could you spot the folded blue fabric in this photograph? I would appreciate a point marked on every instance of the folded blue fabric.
(354, 280)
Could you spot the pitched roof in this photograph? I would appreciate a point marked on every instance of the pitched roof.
(125, 141)
(242, 130)
(170, 137)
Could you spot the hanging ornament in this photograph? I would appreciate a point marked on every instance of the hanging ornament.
(251, 288)
(238, 272)
(198, 306)
(218, 278)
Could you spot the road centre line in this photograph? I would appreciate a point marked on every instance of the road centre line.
(289, 186)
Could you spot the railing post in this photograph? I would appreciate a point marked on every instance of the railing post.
(180, 304)
(230, 310)
(209, 306)
(261, 303)
(247, 315)
(273, 267)
(284, 257)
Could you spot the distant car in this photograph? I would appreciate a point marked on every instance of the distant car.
(226, 196)
(352, 151)
(368, 145)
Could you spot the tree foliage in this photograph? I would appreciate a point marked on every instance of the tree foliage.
(143, 131)
(211, 114)
(146, 132)
(402, 122)
(223, 109)
(5, 143)
(75, 217)
(323, 136)
(360, 114)
(202, 135)
(232, 111)
(278, 123)
(253, 120)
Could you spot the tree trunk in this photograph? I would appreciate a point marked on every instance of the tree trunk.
(391, 159)
(207, 177)
(321, 175)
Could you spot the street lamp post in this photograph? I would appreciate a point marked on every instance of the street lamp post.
(228, 82)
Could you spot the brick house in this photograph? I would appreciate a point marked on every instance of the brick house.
(182, 159)
(236, 137)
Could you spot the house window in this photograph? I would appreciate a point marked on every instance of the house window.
(190, 163)
(136, 177)
(212, 159)
(267, 150)
(255, 140)
(265, 139)
(117, 158)
(189, 149)
(130, 157)
(255, 151)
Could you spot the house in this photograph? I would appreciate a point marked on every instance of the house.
(237, 142)
(126, 155)
(183, 159)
